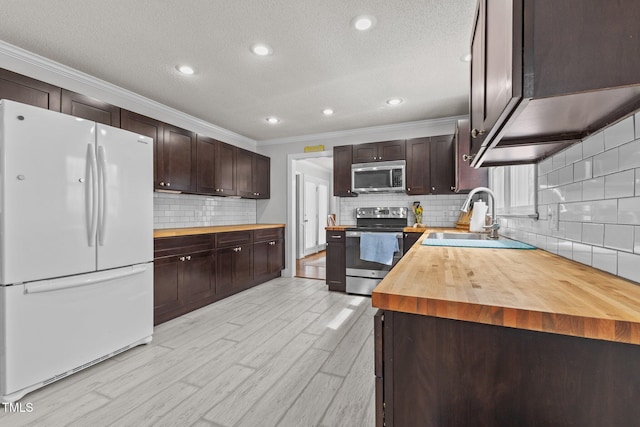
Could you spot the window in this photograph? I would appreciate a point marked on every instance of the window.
(515, 189)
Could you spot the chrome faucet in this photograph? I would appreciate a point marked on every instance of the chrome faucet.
(494, 227)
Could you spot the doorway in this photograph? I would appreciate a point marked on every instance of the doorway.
(313, 203)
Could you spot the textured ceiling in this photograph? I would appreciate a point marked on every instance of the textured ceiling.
(319, 60)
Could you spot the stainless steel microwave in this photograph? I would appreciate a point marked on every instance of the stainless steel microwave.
(378, 177)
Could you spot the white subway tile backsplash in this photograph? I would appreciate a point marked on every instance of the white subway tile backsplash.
(618, 237)
(628, 266)
(573, 153)
(582, 253)
(629, 211)
(619, 185)
(593, 145)
(559, 160)
(545, 166)
(618, 134)
(187, 210)
(629, 155)
(565, 175)
(638, 125)
(636, 242)
(573, 231)
(565, 248)
(583, 170)
(605, 163)
(605, 259)
(593, 233)
(596, 211)
(637, 182)
(593, 189)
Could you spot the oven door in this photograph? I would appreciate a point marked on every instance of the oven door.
(363, 276)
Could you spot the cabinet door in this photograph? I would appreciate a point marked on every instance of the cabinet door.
(477, 94)
(409, 239)
(261, 260)
(336, 261)
(198, 276)
(391, 150)
(165, 288)
(342, 159)
(441, 164)
(363, 153)
(418, 165)
(23, 89)
(234, 269)
(244, 173)
(225, 170)
(177, 160)
(466, 177)
(262, 177)
(89, 108)
(149, 127)
(205, 165)
(276, 256)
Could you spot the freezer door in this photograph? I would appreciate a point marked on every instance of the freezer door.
(45, 194)
(125, 176)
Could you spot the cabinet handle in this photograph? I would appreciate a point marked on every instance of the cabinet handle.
(182, 258)
(453, 188)
(433, 188)
(409, 189)
(467, 157)
(336, 237)
(476, 132)
(161, 184)
(168, 184)
(188, 257)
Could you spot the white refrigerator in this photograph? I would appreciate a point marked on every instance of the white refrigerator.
(76, 245)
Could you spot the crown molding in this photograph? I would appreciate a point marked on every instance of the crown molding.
(35, 66)
(395, 128)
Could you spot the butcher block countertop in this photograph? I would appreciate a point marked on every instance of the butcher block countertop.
(344, 227)
(174, 232)
(524, 289)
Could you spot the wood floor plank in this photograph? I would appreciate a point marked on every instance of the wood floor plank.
(82, 405)
(268, 410)
(351, 405)
(347, 351)
(331, 337)
(309, 407)
(212, 393)
(231, 409)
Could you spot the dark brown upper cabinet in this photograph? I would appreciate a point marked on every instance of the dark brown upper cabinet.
(466, 177)
(430, 165)
(89, 108)
(252, 175)
(342, 160)
(547, 73)
(19, 88)
(379, 151)
(216, 162)
(174, 151)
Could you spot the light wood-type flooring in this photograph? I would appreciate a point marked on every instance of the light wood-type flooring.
(312, 266)
(285, 353)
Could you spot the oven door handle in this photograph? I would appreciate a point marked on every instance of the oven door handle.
(359, 233)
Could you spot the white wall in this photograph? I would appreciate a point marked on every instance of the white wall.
(596, 186)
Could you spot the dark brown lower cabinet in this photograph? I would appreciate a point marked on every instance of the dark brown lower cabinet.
(234, 271)
(184, 276)
(409, 239)
(336, 277)
(435, 372)
(193, 271)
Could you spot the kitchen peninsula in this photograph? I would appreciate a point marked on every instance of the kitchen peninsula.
(491, 337)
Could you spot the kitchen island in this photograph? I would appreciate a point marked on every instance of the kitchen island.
(490, 337)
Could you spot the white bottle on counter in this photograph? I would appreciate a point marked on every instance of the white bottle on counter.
(478, 216)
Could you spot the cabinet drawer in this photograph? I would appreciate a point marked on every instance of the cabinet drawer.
(335, 236)
(167, 246)
(268, 234)
(234, 238)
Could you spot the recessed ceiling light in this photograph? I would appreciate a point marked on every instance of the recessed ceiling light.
(395, 101)
(272, 120)
(185, 69)
(261, 49)
(327, 111)
(466, 58)
(363, 22)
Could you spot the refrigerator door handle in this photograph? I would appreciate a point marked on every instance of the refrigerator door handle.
(102, 178)
(82, 280)
(91, 194)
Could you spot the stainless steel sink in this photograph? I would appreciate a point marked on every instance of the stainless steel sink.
(458, 236)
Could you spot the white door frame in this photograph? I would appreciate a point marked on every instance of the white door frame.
(320, 219)
(291, 232)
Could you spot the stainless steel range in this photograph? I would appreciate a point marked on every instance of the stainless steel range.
(363, 276)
